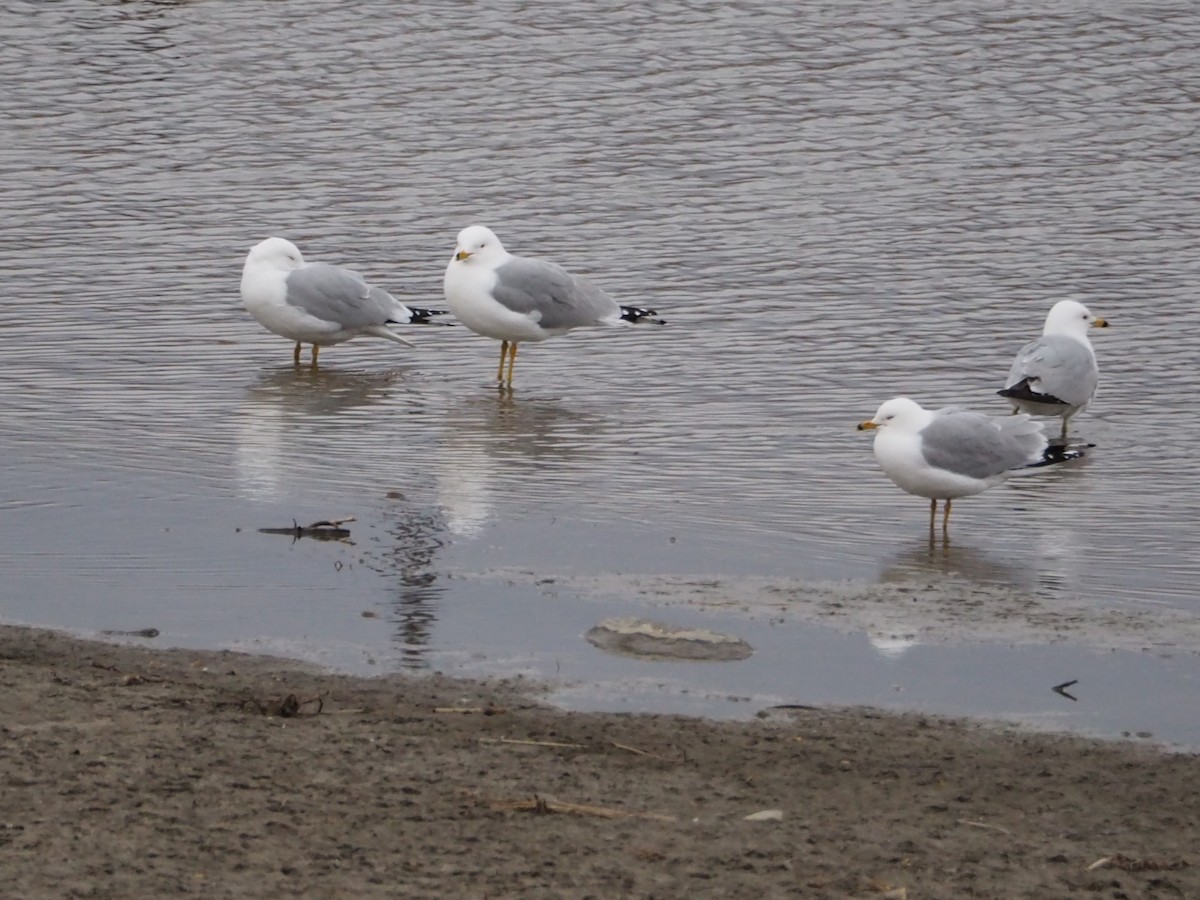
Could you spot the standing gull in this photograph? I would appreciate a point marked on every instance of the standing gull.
(515, 298)
(949, 453)
(1056, 375)
(316, 303)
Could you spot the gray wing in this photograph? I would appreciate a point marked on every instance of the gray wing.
(1061, 367)
(979, 446)
(339, 295)
(531, 286)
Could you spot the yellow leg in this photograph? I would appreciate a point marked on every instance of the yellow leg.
(503, 353)
(946, 519)
(316, 350)
(512, 358)
(296, 355)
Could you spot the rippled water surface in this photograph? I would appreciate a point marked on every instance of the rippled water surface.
(831, 205)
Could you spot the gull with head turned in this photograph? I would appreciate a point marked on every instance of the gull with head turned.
(319, 304)
(1056, 375)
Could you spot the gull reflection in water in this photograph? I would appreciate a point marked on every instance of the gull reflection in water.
(501, 446)
(483, 444)
(932, 560)
(409, 560)
(284, 425)
(299, 428)
(891, 643)
(1043, 555)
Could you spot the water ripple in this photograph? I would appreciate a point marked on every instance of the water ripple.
(831, 205)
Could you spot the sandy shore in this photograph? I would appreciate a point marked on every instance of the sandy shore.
(137, 773)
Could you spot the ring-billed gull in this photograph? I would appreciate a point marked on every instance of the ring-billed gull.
(1056, 375)
(319, 304)
(949, 453)
(515, 298)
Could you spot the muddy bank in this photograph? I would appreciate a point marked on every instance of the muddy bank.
(136, 773)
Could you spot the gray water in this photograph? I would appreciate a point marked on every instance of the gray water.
(831, 205)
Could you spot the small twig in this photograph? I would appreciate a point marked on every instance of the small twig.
(331, 523)
(287, 708)
(141, 632)
(291, 706)
(324, 529)
(639, 752)
(490, 740)
(134, 678)
(1130, 864)
(984, 825)
(889, 892)
(471, 710)
(1062, 689)
(129, 678)
(546, 805)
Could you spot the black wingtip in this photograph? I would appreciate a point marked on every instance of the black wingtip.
(427, 316)
(1022, 391)
(1059, 453)
(636, 315)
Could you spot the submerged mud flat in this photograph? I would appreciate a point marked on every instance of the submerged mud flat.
(120, 763)
(946, 610)
(646, 639)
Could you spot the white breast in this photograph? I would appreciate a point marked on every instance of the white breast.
(900, 457)
(468, 289)
(264, 293)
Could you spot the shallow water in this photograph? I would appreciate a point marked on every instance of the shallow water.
(831, 206)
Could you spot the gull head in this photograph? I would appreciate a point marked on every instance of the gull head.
(1071, 318)
(900, 413)
(276, 252)
(478, 242)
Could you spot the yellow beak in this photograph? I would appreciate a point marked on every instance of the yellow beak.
(461, 255)
(1100, 323)
(867, 425)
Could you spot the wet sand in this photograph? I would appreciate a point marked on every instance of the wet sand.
(131, 772)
